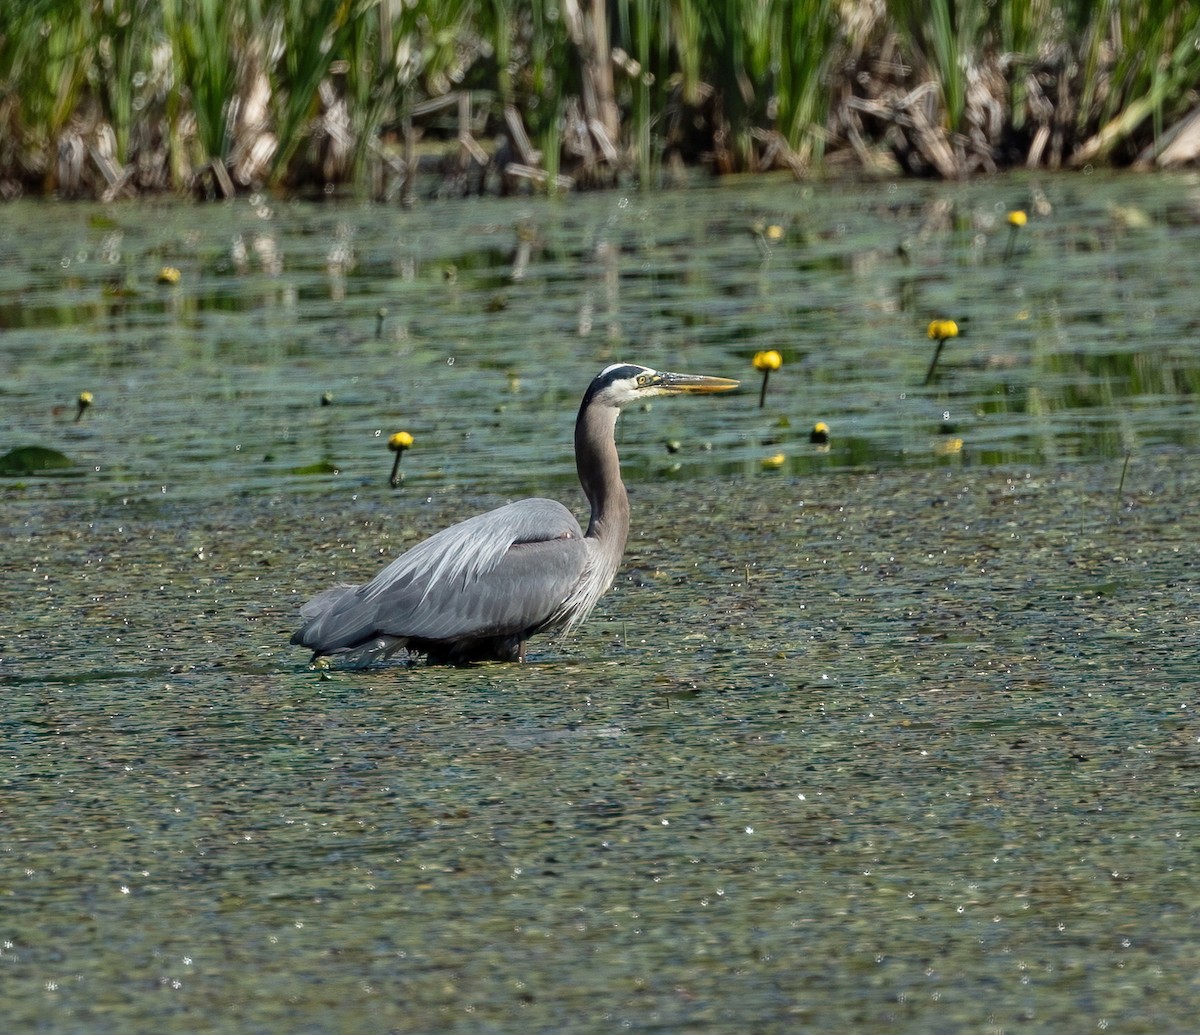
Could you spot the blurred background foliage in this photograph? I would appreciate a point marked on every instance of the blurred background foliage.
(106, 98)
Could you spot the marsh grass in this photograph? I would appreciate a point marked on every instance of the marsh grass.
(118, 96)
(208, 40)
(309, 37)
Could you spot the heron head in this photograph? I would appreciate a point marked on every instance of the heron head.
(625, 383)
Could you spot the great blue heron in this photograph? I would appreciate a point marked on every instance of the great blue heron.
(478, 590)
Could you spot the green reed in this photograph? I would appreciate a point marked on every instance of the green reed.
(1148, 76)
(807, 38)
(639, 24)
(121, 54)
(46, 49)
(208, 40)
(745, 84)
(308, 37)
(946, 37)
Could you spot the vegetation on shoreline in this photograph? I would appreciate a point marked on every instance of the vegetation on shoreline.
(111, 98)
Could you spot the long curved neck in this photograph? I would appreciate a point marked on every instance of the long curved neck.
(600, 474)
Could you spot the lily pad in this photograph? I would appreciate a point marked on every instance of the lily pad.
(324, 467)
(33, 460)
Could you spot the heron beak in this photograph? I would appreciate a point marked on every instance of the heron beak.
(675, 383)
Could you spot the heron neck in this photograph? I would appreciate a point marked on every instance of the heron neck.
(600, 475)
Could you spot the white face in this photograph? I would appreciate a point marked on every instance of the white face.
(623, 383)
(626, 390)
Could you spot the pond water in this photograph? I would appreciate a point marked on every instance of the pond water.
(893, 733)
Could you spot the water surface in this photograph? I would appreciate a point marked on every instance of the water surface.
(897, 735)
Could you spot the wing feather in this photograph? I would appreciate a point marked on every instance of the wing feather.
(506, 572)
(525, 591)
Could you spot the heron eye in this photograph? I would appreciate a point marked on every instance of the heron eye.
(643, 379)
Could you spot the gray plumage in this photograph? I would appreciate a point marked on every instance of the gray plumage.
(479, 589)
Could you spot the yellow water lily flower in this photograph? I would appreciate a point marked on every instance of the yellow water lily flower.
(398, 443)
(768, 360)
(948, 446)
(1016, 219)
(940, 330)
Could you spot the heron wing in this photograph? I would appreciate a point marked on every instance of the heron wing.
(504, 572)
(525, 591)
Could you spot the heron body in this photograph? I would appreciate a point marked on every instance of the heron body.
(479, 589)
